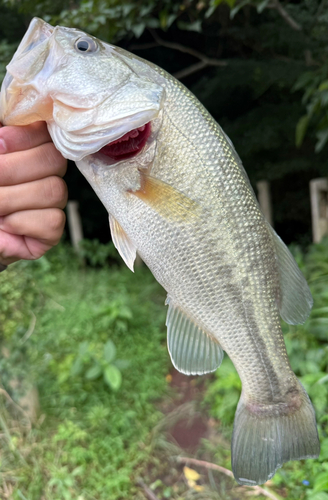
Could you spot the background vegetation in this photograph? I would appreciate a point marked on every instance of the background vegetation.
(92, 342)
(87, 344)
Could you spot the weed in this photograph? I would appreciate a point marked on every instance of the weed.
(98, 358)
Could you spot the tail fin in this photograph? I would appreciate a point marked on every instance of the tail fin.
(263, 440)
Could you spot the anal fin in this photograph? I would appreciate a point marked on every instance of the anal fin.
(192, 350)
(122, 242)
(295, 301)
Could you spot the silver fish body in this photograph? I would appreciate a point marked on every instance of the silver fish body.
(185, 204)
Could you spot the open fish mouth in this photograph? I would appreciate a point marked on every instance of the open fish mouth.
(129, 145)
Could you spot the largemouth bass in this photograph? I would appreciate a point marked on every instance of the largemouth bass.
(176, 193)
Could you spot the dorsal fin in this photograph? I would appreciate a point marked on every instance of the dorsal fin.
(122, 242)
(192, 350)
(295, 301)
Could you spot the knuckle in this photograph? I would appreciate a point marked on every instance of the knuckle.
(16, 136)
(6, 173)
(4, 201)
(56, 223)
(56, 191)
(24, 135)
(53, 157)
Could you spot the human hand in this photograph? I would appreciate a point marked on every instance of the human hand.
(32, 193)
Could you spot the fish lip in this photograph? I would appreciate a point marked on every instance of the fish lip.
(38, 31)
(94, 141)
(75, 154)
(47, 28)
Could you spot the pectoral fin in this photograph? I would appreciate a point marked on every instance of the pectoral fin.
(122, 242)
(192, 350)
(165, 199)
(295, 300)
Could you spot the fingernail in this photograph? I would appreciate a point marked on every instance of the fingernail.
(3, 147)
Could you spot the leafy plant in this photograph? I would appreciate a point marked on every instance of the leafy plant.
(98, 254)
(94, 365)
(223, 393)
(314, 84)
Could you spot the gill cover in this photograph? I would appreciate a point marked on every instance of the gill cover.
(89, 98)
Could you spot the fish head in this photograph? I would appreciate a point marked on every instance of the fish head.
(86, 91)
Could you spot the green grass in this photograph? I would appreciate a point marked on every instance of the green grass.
(90, 442)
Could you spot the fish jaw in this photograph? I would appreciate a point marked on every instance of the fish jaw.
(88, 100)
(19, 101)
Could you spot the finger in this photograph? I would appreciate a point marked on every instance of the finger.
(46, 225)
(14, 247)
(50, 192)
(22, 138)
(32, 164)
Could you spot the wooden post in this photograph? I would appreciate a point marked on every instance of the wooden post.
(264, 197)
(74, 224)
(319, 208)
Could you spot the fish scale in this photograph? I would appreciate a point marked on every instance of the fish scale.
(183, 295)
(184, 203)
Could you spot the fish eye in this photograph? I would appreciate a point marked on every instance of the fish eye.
(86, 44)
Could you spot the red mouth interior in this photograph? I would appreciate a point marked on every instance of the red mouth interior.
(129, 145)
